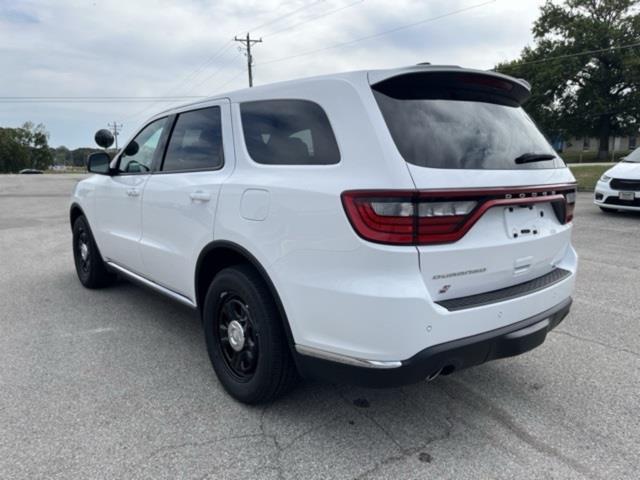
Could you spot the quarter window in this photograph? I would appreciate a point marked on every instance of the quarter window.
(288, 132)
(138, 156)
(196, 142)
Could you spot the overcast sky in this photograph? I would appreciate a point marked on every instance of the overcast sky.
(104, 48)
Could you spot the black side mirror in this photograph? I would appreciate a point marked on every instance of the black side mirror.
(131, 149)
(99, 163)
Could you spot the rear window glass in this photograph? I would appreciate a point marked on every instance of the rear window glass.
(441, 128)
(196, 142)
(288, 132)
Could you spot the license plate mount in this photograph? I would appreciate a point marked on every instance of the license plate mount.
(627, 195)
(523, 220)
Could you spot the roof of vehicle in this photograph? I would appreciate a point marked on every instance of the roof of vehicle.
(282, 89)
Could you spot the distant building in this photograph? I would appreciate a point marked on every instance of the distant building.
(590, 144)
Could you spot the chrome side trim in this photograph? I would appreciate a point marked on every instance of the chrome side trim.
(148, 283)
(347, 360)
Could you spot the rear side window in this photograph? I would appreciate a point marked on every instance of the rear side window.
(461, 122)
(288, 132)
(196, 142)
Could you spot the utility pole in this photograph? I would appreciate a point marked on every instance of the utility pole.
(247, 45)
(115, 128)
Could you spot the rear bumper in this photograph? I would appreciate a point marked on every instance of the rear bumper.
(447, 357)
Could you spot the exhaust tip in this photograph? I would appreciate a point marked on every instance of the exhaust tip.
(431, 377)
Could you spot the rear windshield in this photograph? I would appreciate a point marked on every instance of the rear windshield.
(460, 132)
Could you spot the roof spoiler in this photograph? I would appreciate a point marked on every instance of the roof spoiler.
(453, 84)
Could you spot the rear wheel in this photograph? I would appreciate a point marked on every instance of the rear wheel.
(245, 338)
(608, 210)
(90, 267)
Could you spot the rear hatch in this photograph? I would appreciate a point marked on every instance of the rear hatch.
(494, 202)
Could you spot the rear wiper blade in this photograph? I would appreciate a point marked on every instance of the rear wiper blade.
(534, 157)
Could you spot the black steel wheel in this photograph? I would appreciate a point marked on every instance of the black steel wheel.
(245, 336)
(90, 267)
(82, 250)
(237, 337)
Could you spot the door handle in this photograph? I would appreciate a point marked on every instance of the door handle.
(200, 196)
(133, 192)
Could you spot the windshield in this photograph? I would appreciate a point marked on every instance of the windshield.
(464, 134)
(633, 157)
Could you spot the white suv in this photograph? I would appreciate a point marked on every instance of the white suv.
(619, 187)
(374, 227)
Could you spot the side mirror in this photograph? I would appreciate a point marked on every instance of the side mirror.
(99, 163)
(131, 149)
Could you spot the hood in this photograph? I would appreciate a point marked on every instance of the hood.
(629, 171)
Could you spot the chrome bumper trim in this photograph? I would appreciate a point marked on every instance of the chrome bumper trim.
(347, 360)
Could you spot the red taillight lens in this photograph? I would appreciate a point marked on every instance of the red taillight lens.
(403, 218)
(383, 218)
(432, 217)
(570, 198)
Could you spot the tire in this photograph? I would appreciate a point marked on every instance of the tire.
(251, 358)
(90, 267)
(608, 210)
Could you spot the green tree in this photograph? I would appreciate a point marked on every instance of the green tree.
(24, 147)
(13, 155)
(62, 155)
(578, 93)
(36, 138)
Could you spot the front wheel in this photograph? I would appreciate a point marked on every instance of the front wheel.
(90, 267)
(245, 337)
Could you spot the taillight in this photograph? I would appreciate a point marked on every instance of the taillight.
(431, 217)
(570, 198)
(382, 217)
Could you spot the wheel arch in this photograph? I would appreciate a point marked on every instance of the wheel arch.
(75, 211)
(221, 254)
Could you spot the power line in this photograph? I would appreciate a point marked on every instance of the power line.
(315, 17)
(187, 79)
(287, 15)
(194, 74)
(191, 77)
(379, 34)
(578, 54)
(88, 97)
(220, 87)
(71, 100)
(213, 74)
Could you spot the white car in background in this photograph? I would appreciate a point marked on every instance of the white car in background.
(619, 187)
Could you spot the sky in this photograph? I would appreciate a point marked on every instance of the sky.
(162, 48)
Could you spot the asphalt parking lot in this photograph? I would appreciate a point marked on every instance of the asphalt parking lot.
(117, 384)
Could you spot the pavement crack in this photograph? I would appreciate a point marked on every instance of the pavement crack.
(168, 449)
(279, 448)
(478, 402)
(596, 342)
(403, 451)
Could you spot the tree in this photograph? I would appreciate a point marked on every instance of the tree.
(13, 155)
(24, 147)
(61, 155)
(584, 69)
